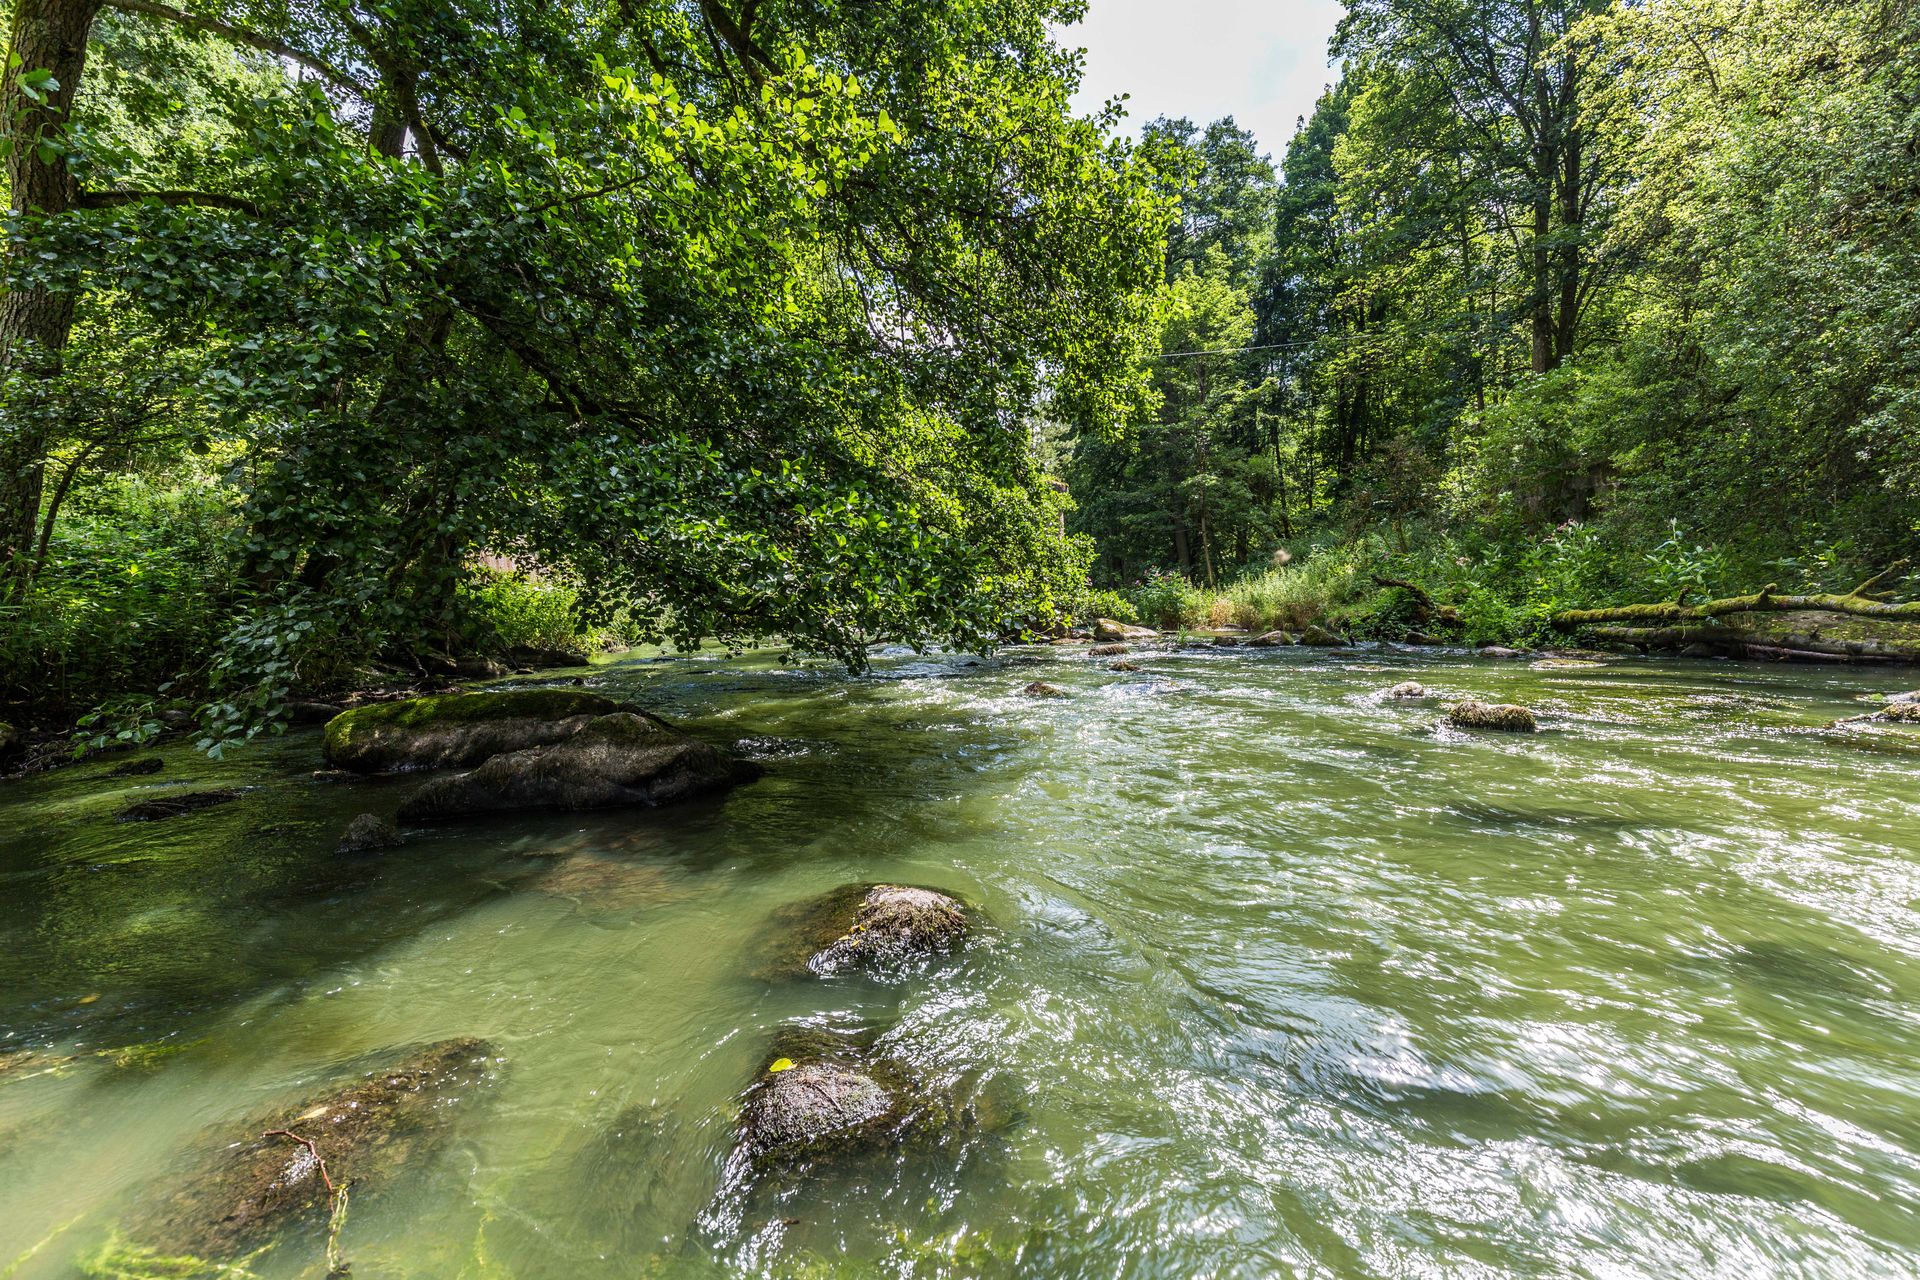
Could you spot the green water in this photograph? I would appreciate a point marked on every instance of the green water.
(1281, 979)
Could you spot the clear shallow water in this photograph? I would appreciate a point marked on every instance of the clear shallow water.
(1281, 979)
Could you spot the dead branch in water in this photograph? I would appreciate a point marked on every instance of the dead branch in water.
(1859, 603)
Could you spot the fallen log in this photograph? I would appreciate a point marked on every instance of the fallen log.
(1734, 643)
(1429, 608)
(1857, 603)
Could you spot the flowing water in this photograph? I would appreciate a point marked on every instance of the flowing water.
(1281, 979)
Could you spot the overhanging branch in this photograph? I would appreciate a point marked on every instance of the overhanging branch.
(247, 36)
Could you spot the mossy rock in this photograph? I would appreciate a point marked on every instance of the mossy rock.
(1408, 689)
(1111, 631)
(1041, 689)
(1474, 714)
(457, 729)
(1272, 640)
(1106, 651)
(879, 928)
(1322, 637)
(824, 1096)
(367, 833)
(252, 1184)
(1901, 713)
(172, 806)
(1123, 666)
(623, 758)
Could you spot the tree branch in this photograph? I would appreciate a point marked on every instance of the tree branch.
(243, 35)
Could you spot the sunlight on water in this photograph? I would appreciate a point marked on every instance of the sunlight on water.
(1281, 978)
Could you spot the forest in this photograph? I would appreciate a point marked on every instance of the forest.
(343, 339)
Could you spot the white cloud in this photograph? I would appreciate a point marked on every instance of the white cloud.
(1264, 64)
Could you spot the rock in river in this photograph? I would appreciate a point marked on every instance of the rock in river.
(259, 1180)
(1106, 651)
(869, 926)
(1322, 637)
(367, 833)
(172, 806)
(1272, 640)
(1474, 714)
(1041, 689)
(1109, 630)
(624, 758)
(1408, 689)
(822, 1095)
(457, 728)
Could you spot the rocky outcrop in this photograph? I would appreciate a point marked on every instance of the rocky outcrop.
(1474, 714)
(623, 758)
(261, 1179)
(1408, 689)
(173, 806)
(1272, 640)
(455, 729)
(1109, 630)
(1041, 689)
(1322, 637)
(1106, 651)
(368, 832)
(881, 928)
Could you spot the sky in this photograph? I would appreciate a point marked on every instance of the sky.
(1264, 64)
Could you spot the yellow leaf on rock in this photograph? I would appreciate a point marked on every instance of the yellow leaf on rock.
(781, 1064)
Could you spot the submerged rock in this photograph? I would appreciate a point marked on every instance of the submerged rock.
(1408, 689)
(457, 728)
(1108, 629)
(137, 768)
(259, 1181)
(1322, 637)
(1226, 642)
(624, 758)
(1273, 640)
(367, 833)
(1474, 714)
(1041, 689)
(1106, 650)
(312, 712)
(877, 927)
(173, 806)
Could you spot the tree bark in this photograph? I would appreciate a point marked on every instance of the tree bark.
(49, 35)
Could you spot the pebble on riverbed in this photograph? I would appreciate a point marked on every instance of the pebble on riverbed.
(1474, 714)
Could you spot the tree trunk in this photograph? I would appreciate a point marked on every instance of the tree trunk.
(47, 35)
(1569, 267)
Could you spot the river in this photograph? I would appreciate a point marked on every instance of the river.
(1279, 977)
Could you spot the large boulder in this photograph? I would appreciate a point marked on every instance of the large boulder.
(457, 729)
(1474, 714)
(263, 1178)
(873, 927)
(1322, 637)
(1272, 640)
(623, 758)
(1109, 630)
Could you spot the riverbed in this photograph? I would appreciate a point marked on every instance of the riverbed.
(1278, 977)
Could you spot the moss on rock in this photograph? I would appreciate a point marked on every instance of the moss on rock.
(624, 758)
(876, 927)
(254, 1183)
(1041, 689)
(1474, 714)
(457, 729)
